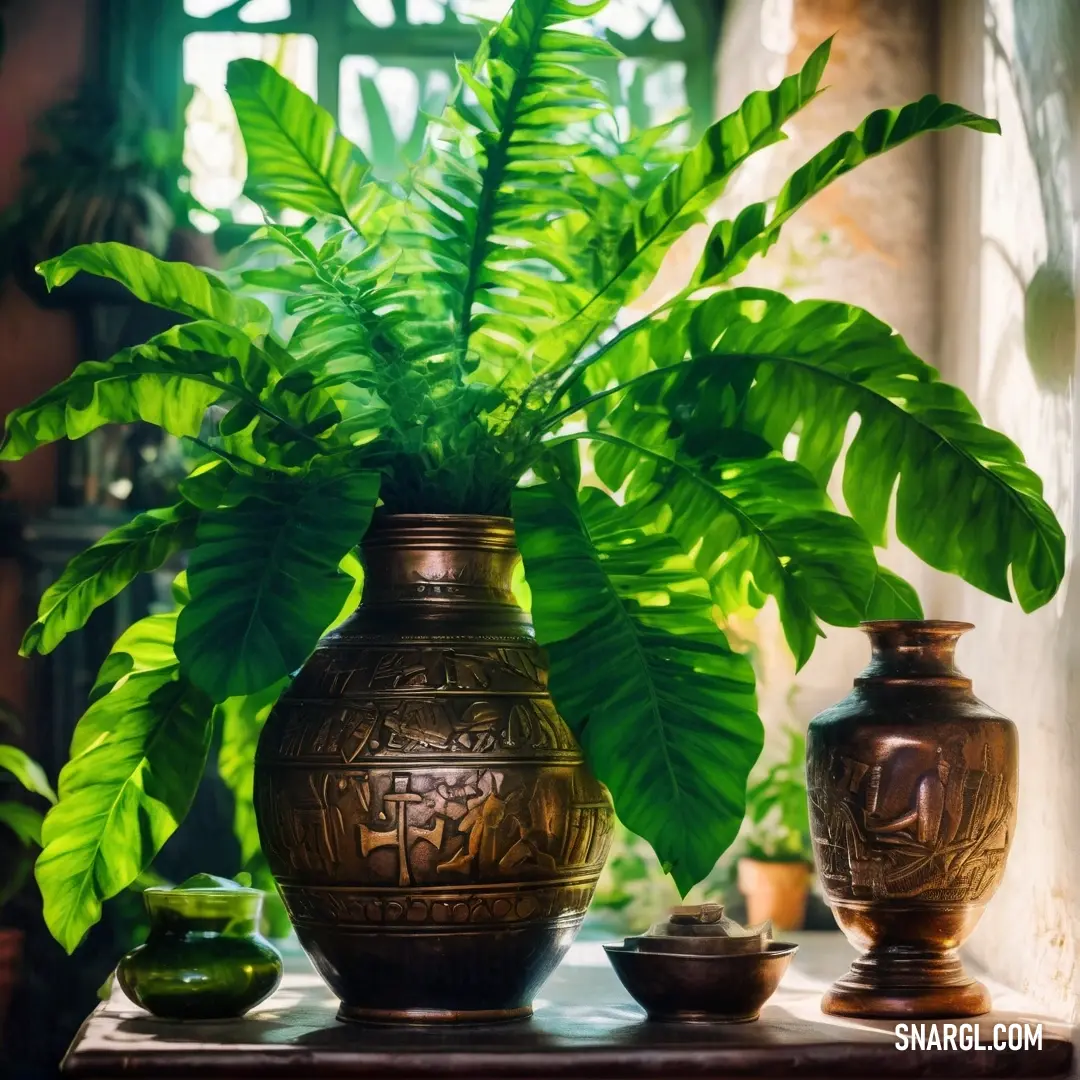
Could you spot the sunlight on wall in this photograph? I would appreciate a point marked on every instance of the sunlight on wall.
(867, 240)
(1009, 338)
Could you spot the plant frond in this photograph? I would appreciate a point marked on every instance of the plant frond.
(672, 728)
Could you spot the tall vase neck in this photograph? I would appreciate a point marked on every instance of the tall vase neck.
(444, 558)
(914, 652)
(442, 575)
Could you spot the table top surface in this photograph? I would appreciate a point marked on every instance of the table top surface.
(585, 1025)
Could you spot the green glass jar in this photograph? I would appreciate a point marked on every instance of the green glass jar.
(204, 958)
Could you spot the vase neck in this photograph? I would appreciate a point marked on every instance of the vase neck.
(914, 652)
(440, 566)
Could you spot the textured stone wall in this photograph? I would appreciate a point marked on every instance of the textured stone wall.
(869, 239)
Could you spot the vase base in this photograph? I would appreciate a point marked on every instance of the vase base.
(686, 1016)
(358, 1015)
(887, 983)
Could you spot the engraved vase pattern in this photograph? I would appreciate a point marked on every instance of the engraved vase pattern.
(912, 783)
(433, 829)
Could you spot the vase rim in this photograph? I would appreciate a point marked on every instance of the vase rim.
(424, 531)
(933, 626)
(381, 517)
(204, 903)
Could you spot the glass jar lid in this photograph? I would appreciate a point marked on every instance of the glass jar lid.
(205, 896)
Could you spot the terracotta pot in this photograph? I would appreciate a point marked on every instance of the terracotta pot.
(427, 814)
(912, 784)
(775, 891)
(11, 951)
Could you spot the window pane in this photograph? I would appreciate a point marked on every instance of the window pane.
(627, 18)
(253, 11)
(419, 12)
(203, 9)
(484, 9)
(632, 18)
(213, 148)
(377, 12)
(667, 26)
(257, 11)
(382, 106)
(649, 92)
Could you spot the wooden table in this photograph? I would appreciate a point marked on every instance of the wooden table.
(585, 1027)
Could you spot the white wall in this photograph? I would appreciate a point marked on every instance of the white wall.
(1008, 337)
(967, 244)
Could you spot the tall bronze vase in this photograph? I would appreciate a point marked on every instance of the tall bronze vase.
(425, 811)
(912, 786)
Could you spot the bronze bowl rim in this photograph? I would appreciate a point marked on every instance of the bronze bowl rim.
(670, 989)
(776, 949)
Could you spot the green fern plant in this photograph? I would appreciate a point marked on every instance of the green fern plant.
(456, 346)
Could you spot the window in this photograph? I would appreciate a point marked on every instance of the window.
(377, 65)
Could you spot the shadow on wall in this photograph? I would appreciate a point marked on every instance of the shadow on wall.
(1009, 326)
(1045, 88)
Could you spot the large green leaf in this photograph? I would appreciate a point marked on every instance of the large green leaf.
(150, 382)
(296, 157)
(662, 706)
(175, 286)
(170, 381)
(264, 577)
(765, 366)
(676, 203)
(353, 568)
(142, 751)
(24, 821)
(893, 598)
(26, 770)
(756, 528)
(146, 645)
(241, 720)
(732, 244)
(817, 364)
(104, 569)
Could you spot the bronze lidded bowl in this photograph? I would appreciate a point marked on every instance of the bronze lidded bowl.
(427, 814)
(912, 783)
(700, 967)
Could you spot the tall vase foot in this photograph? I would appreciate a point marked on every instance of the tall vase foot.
(902, 983)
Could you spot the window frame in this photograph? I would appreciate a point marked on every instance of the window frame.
(156, 73)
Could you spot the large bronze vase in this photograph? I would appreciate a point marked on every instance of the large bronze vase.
(912, 787)
(428, 816)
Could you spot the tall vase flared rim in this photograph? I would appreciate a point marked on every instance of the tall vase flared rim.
(925, 626)
(382, 517)
(441, 530)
